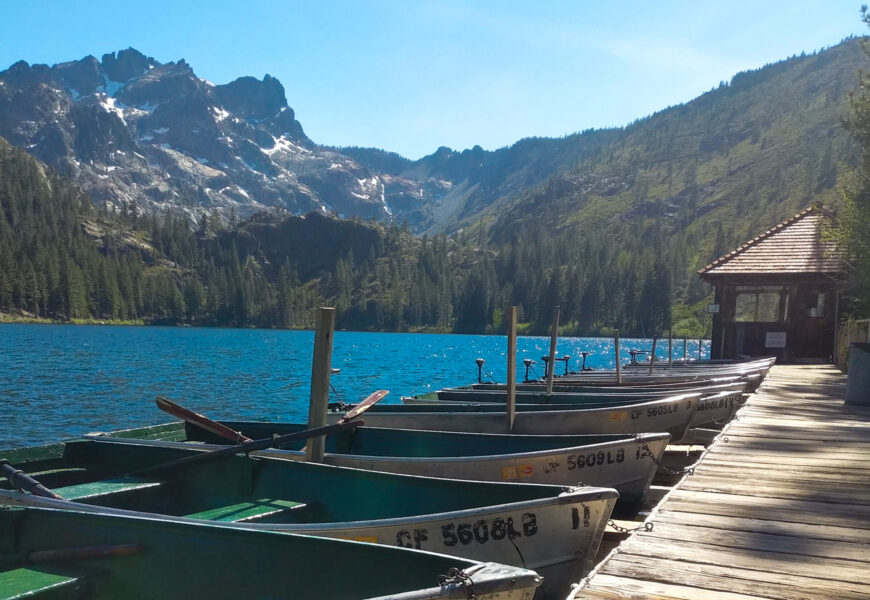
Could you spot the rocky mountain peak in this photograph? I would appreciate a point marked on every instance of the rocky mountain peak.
(81, 77)
(134, 131)
(126, 64)
(252, 98)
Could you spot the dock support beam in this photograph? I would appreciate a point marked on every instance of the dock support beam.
(616, 353)
(320, 371)
(511, 390)
(554, 334)
(652, 355)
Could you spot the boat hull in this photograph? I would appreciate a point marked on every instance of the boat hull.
(712, 410)
(557, 538)
(626, 463)
(673, 415)
(552, 528)
(177, 561)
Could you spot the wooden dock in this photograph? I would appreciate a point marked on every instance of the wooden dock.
(778, 507)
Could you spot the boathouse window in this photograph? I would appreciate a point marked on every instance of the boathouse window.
(761, 305)
(816, 305)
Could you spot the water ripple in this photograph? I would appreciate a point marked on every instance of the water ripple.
(61, 381)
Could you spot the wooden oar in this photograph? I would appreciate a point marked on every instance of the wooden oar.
(363, 406)
(278, 441)
(221, 430)
(201, 421)
(21, 480)
(68, 554)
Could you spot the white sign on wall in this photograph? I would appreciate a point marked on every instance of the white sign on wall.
(774, 339)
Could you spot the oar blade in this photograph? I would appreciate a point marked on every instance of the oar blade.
(363, 406)
(219, 429)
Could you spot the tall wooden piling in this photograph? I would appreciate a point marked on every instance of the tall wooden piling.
(652, 356)
(616, 353)
(685, 349)
(320, 371)
(511, 390)
(554, 334)
(670, 348)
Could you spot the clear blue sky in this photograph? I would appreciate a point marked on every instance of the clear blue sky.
(410, 76)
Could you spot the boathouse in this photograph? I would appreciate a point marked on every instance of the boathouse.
(778, 294)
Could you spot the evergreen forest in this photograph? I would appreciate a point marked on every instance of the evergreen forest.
(63, 260)
(613, 232)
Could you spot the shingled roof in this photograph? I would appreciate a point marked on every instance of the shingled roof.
(791, 247)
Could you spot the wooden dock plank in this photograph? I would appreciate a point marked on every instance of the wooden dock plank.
(608, 587)
(719, 460)
(784, 472)
(799, 490)
(755, 539)
(780, 431)
(722, 559)
(743, 581)
(831, 444)
(775, 509)
(778, 507)
(784, 459)
(747, 524)
(820, 453)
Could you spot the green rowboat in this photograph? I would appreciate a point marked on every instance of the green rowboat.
(674, 415)
(53, 554)
(623, 461)
(712, 409)
(553, 530)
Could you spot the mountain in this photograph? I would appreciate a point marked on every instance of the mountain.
(61, 259)
(133, 131)
(610, 225)
(768, 142)
(745, 155)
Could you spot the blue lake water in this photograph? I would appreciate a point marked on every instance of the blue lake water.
(59, 381)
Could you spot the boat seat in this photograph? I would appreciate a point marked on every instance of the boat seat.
(25, 582)
(105, 487)
(58, 471)
(248, 511)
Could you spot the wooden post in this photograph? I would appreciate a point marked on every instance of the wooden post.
(699, 345)
(685, 348)
(510, 400)
(554, 334)
(652, 356)
(320, 370)
(670, 347)
(616, 352)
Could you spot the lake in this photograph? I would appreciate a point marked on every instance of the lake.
(63, 380)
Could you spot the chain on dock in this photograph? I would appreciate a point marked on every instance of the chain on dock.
(646, 451)
(648, 526)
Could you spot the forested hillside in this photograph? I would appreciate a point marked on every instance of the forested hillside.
(61, 259)
(611, 225)
(678, 189)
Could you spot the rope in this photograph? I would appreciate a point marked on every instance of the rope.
(335, 391)
(517, 548)
(458, 577)
(534, 372)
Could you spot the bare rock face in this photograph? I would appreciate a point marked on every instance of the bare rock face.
(139, 134)
(135, 132)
